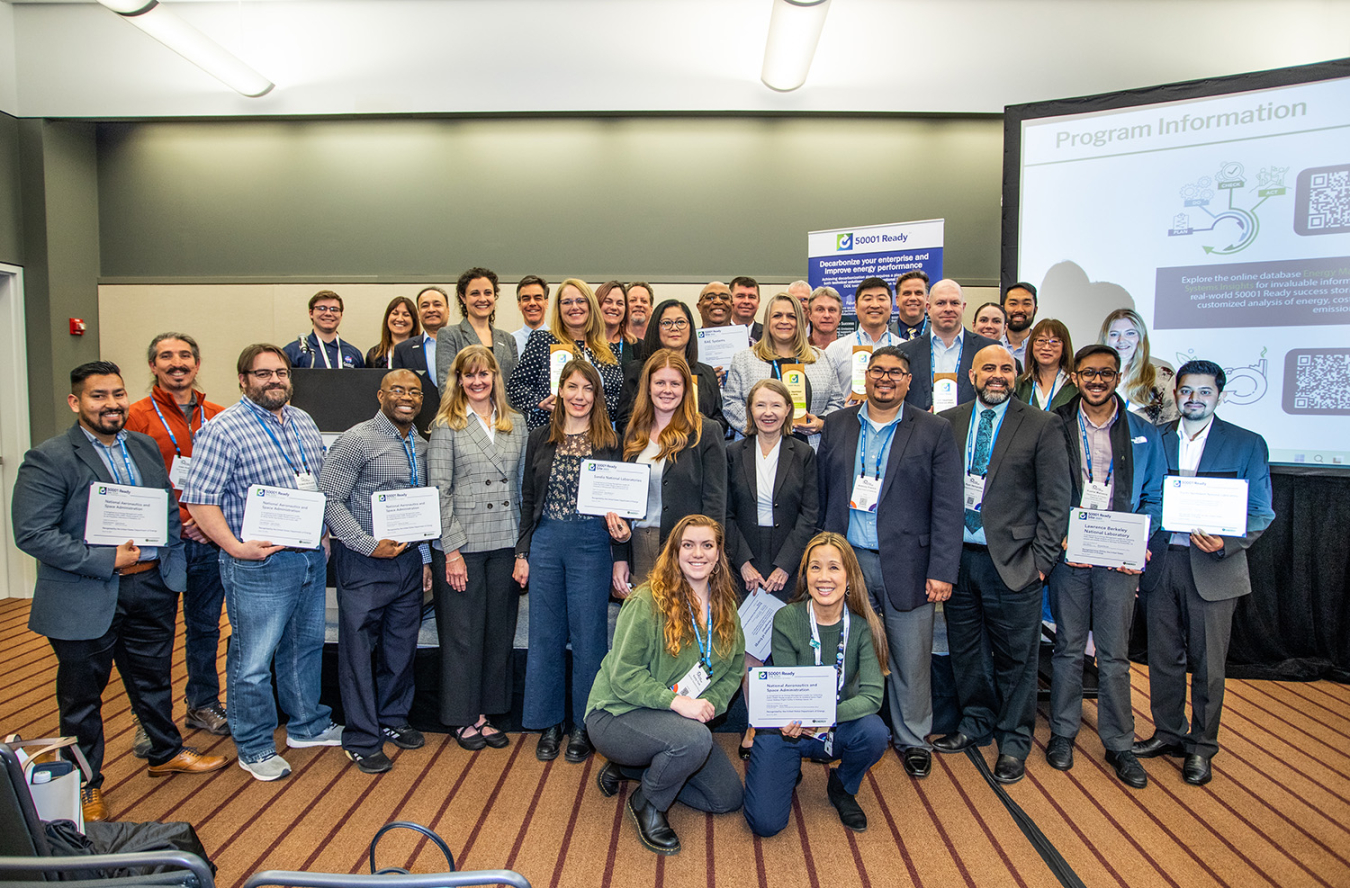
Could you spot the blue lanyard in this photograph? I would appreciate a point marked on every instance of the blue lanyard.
(704, 642)
(411, 452)
(164, 422)
(881, 455)
(838, 655)
(298, 444)
(932, 357)
(126, 463)
(970, 436)
(776, 368)
(1053, 386)
(1087, 453)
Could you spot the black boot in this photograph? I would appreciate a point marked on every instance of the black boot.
(547, 750)
(850, 812)
(652, 827)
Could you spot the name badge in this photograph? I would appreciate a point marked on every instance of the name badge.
(694, 683)
(944, 392)
(866, 493)
(974, 491)
(306, 481)
(1096, 497)
(827, 740)
(178, 471)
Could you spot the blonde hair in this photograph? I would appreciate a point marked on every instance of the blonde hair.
(674, 598)
(1139, 377)
(454, 412)
(778, 389)
(595, 324)
(682, 425)
(801, 344)
(855, 598)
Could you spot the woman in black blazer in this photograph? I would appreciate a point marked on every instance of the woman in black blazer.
(686, 455)
(772, 501)
(672, 326)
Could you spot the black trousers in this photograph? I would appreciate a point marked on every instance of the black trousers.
(140, 640)
(379, 613)
(477, 628)
(993, 633)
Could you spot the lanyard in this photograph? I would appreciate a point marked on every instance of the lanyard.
(1087, 454)
(1054, 386)
(885, 334)
(932, 356)
(126, 463)
(411, 452)
(704, 642)
(881, 454)
(298, 444)
(839, 654)
(970, 436)
(164, 422)
(776, 368)
(323, 350)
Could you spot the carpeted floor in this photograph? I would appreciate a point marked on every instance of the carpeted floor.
(1277, 812)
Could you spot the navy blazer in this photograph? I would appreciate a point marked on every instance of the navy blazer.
(919, 513)
(795, 506)
(76, 592)
(1230, 452)
(409, 355)
(920, 354)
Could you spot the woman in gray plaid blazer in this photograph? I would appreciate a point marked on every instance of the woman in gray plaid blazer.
(475, 458)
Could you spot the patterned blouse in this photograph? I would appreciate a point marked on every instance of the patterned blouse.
(560, 500)
(528, 384)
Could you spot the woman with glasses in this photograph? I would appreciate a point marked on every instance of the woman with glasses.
(1145, 384)
(576, 322)
(785, 343)
(1045, 383)
(400, 324)
(477, 292)
(475, 459)
(672, 327)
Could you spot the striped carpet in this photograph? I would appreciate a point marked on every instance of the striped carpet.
(1277, 812)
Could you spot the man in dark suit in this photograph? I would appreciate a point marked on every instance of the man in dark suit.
(745, 305)
(418, 353)
(941, 359)
(1193, 581)
(890, 481)
(1016, 506)
(100, 603)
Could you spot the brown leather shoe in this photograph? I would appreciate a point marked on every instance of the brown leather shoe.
(189, 761)
(92, 802)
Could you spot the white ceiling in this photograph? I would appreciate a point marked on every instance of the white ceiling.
(77, 59)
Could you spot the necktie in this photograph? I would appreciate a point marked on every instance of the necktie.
(979, 464)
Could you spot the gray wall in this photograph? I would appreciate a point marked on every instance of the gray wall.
(668, 199)
(11, 208)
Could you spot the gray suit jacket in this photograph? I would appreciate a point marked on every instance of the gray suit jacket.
(479, 481)
(452, 338)
(1027, 490)
(76, 592)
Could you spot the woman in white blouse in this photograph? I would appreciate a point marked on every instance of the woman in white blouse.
(1045, 383)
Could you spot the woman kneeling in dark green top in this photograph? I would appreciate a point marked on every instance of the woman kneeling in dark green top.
(829, 623)
(676, 660)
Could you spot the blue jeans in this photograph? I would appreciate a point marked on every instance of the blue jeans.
(276, 609)
(775, 762)
(570, 572)
(202, 601)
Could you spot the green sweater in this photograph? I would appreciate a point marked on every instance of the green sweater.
(863, 683)
(638, 672)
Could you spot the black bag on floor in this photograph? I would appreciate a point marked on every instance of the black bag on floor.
(123, 838)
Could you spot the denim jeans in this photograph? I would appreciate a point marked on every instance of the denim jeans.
(276, 608)
(202, 602)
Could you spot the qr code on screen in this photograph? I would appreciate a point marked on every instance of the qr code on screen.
(1317, 381)
(1322, 200)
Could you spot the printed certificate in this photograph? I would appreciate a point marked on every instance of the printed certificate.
(118, 512)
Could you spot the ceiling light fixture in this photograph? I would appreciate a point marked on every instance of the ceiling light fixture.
(794, 31)
(165, 26)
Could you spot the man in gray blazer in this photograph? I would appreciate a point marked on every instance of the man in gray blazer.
(1016, 504)
(100, 603)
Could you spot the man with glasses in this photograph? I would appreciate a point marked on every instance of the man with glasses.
(274, 594)
(323, 349)
(873, 305)
(890, 481)
(714, 308)
(1119, 462)
(379, 581)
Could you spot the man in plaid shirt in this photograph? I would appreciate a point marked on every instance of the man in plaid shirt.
(273, 594)
(379, 581)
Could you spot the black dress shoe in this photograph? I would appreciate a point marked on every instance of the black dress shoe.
(1128, 769)
(1009, 769)
(957, 742)
(918, 761)
(1155, 746)
(608, 779)
(850, 812)
(549, 741)
(1195, 770)
(651, 824)
(579, 746)
(1059, 754)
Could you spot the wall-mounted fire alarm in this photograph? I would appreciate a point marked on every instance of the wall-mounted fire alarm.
(77, 327)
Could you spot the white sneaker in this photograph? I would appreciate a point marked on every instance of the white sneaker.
(332, 736)
(274, 767)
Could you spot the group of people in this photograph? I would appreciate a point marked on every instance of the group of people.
(925, 468)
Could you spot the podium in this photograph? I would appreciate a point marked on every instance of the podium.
(339, 399)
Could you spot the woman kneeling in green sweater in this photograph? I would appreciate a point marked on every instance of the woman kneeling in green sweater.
(676, 660)
(828, 623)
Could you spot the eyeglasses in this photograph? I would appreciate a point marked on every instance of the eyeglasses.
(1049, 342)
(264, 375)
(328, 309)
(569, 303)
(674, 324)
(399, 391)
(1094, 373)
(893, 373)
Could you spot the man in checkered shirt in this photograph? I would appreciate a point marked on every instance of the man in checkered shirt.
(274, 595)
(379, 581)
